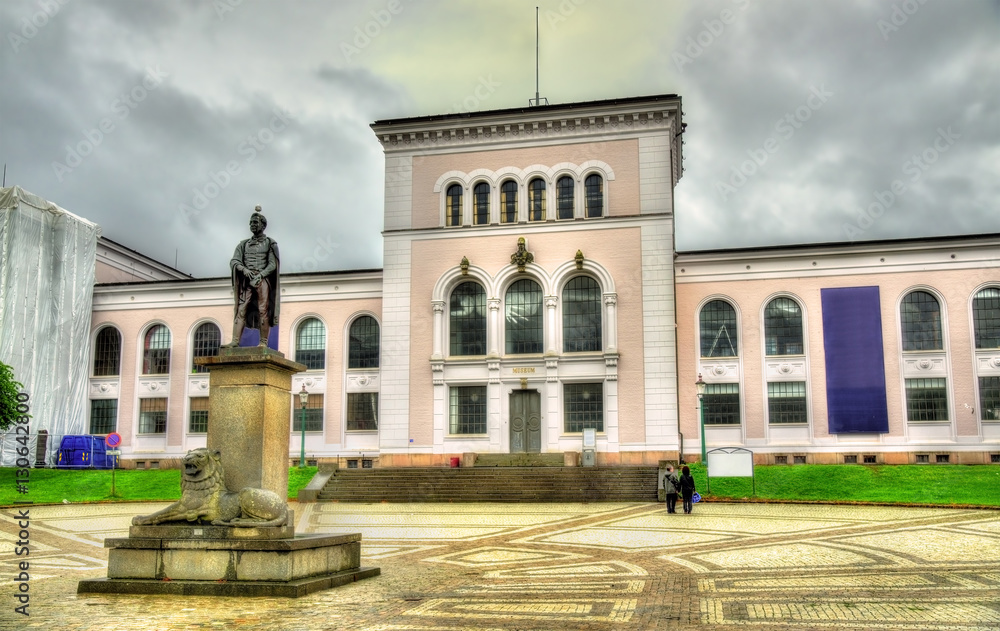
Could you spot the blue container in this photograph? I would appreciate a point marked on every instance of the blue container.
(84, 452)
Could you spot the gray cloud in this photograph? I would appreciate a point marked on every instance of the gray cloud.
(207, 127)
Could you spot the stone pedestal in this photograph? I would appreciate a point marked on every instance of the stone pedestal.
(230, 567)
(250, 407)
(249, 423)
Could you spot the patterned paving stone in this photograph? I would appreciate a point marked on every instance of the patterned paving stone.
(595, 567)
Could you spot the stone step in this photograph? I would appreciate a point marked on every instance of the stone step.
(493, 484)
(520, 460)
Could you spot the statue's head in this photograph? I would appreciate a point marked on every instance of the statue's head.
(257, 221)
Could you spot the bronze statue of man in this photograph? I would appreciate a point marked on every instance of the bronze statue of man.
(255, 282)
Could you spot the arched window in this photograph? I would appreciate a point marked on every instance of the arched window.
(107, 352)
(921, 320)
(156, 351)
(594, 189)
(481, 204)
(582, 315)
(564, 194)
(783, 328)
(523, 310)
(467, 320)
(363, 348)
(986, 318)
(508, 202)
(207, 339)
(717, 325)
(310, 344)
(453, 206)
(536, 199)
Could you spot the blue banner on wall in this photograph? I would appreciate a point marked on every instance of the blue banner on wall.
(855, 369)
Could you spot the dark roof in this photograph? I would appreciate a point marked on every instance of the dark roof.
(227, 278)
(844, 244)
(527, 109)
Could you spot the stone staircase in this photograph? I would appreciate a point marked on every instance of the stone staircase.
(493, 484)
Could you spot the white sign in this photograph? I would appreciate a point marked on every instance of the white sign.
(738, 464)
(114, 452)
(589, 438)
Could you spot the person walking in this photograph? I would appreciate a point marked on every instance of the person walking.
(672, 486)
(687, 488)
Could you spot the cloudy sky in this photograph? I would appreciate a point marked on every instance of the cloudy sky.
(166, 121)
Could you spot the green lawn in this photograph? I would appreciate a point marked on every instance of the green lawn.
(894, 484)
(48, 486)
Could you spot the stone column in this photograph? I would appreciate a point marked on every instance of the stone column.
(437, 348)
(249, 417)
(551, 302)
(611, 320)
(493, 328)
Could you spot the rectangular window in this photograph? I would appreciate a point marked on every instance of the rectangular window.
(103, 416)
(989, 398)
(721, 404)
(786, 402)
(467, 410)
(152, 416)
(198, 421)
(850, 460)
(313, 413)
(583, 406)
(926, 400)
(362, 411)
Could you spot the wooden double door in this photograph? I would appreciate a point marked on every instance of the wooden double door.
(525, 422)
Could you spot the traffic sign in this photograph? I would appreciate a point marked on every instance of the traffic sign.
(114, 452)
(113, 439)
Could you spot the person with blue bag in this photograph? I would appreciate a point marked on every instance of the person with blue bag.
(687, 488)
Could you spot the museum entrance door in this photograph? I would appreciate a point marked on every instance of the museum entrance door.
(525, 422)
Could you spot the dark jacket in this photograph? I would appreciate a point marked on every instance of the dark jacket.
(687, 485)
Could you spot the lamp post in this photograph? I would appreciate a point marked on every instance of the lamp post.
(303, 399)
(700, 385)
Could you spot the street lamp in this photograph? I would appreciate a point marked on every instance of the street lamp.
(700, 385)
(303, 399)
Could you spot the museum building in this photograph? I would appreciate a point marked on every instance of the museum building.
(531, 290)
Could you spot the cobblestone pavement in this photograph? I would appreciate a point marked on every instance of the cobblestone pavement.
(541, 567)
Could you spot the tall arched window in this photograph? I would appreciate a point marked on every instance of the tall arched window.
(717, 329)
(207, 339)
(582, 315)
(107, 352)
(481, 204)
(536, 199)
(453, 206)
(920, 314)
(363, 347)
(564, 194)
(508, 202)
(783, 328)
(594, 189)
(310, 344)
(523, 309)
(467, 320)
(156, 351)
(986, 318)
(986, 329)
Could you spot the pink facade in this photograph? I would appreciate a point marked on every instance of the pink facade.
(952, 271)
(619, 357)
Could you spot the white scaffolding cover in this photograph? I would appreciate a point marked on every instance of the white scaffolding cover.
(47, 267)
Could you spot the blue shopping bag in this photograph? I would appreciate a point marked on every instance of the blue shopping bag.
(696, 498)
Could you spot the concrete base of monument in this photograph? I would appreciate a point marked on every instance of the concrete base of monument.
(208, 531)
(226, 567)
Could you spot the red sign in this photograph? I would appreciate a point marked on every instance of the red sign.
(113, 439)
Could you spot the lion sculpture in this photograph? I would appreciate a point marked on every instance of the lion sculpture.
(204, 497)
